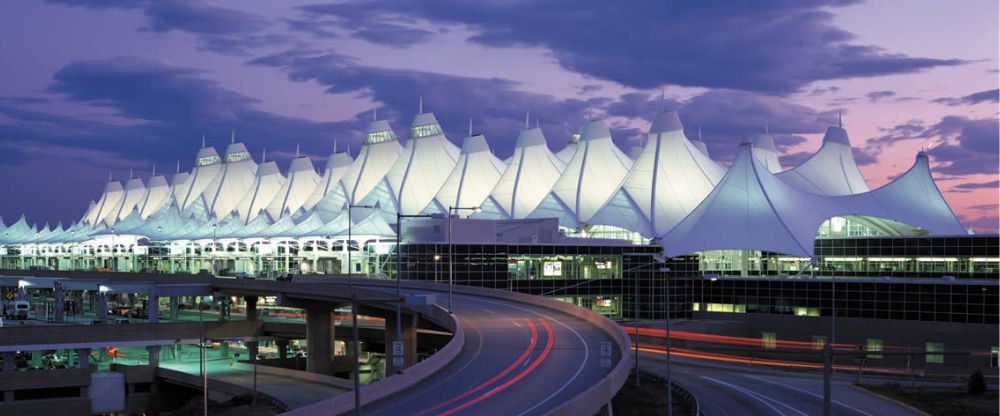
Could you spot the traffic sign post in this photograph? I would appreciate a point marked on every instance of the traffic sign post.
(860, 361)
(605, 354)
(397, 354)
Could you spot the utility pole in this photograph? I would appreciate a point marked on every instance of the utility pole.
(354, 312)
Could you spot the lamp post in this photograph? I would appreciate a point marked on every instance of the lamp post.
(114, 260)
(399, 268)
(451, 254)
(354, 311)
(214, 235)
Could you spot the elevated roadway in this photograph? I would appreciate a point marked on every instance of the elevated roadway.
(510, 354)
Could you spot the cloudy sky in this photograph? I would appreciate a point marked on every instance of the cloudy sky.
(89, 87)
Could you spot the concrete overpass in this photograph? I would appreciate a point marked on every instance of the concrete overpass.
(509, 352)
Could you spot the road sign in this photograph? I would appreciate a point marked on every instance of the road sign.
(397, 361)
(605, 349)
(860, 360)
(397, 348)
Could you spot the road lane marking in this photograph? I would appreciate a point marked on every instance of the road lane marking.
(579, 369)
(534, 364)
(757, 396)
(810, 393)
(511, 367)
(515, 322)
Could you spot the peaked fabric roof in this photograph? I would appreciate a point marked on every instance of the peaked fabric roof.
(475, 174)
(423, 166)
(594, 174)
(765, 151)
(528, 178)
(107, 206)
(566, 153)
(669, 179)
(207, 165)
(232, 183)
(754, 210)
(378, 154)
(302, 180)
(135, 190)
(831, 170)
(157, 193)
(267, 182)
(336, 166)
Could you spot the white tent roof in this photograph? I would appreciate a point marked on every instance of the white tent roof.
(336, 166)
(423, 166)
(470, 182)
(593, 174)
(107, 206)
(207, 165)
(157, 194)
(754, 210)
(302, 180)
(766, 152)
(528, 178)
(831, 170)
(378, 154)
(135, 191)
(233, 182)
(668, 181)
(267, 182)
(566, 153)
(178, 185)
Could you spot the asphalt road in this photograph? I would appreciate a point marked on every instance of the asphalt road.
(293, 392)
(517, 360)
(730, 390)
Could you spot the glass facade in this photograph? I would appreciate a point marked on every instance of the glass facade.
(207, 160)
(237, 157)
(426, 130)
(379, 137)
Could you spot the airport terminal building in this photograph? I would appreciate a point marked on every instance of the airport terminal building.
(590, 224)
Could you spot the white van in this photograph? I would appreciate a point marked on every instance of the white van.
(17, 309)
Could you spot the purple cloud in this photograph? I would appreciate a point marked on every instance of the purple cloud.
(971, 99)
(685, 42)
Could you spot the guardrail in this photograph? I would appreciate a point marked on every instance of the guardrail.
(371, 393)
(586, 403)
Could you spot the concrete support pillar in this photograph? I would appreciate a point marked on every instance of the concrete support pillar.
(102, 306)
(8, 366)
(60, 301)
(154, 355)
(153, 306)
(8, 361)
(36, 359)
(253, 348)
(319, 340)
(409, 338)
(282, 348)
(251, 307)
(83, 355)
(223, 349)
(174, 307)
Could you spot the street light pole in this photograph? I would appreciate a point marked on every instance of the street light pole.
(451, 254)
(670, 393)
(354, 311)
(399, 271)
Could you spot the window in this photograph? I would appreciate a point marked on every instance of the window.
(874, 345)
(769, 340)
(237, 157)
(994, 356)
(379, 137)
(935, 347)
(695, 306)
(819, 341)
(207, 160)
(424, 131)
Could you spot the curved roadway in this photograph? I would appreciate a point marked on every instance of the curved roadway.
(517, 359)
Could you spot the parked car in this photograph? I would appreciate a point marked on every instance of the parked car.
(17, 309)
(285, 277)
(244, 275)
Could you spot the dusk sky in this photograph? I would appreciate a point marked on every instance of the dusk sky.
(95, 86)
